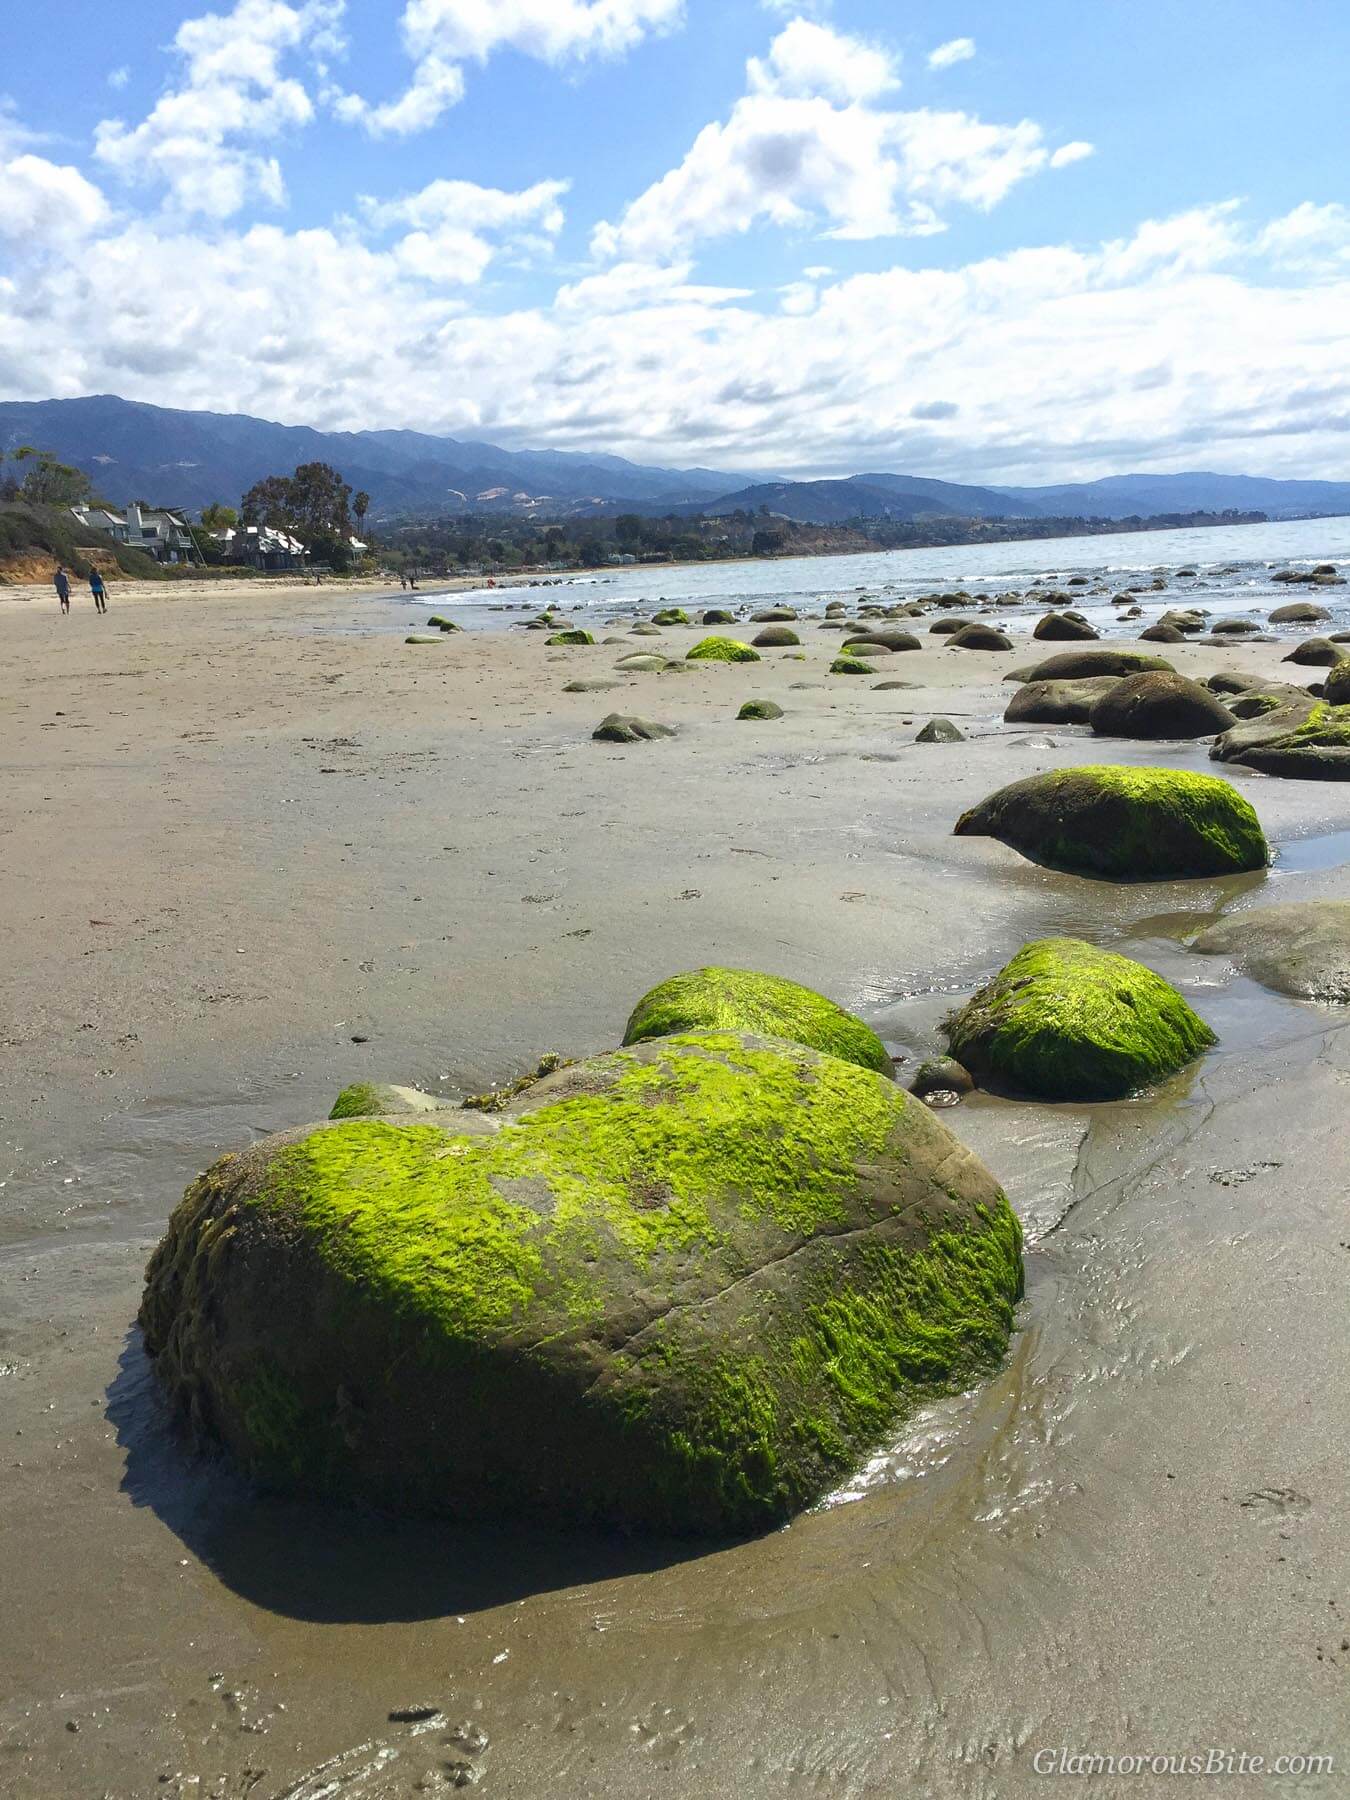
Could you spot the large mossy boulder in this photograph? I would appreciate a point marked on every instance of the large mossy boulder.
(671, 615)
(1302, 948)
(1317, 653)
(851, 665)
(744, 1000)
(1124, 824)
(1157, 705)
(979, 637)
(574, 636)
(760, 709)
(1336, 685)
(717, 615)
(682, 1287)
(721, 649)
(1066, 1021)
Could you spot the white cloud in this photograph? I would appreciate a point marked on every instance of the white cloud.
(200, 137)
(47, 205)
(807, 147)
(1173, 344)
(441, 35)
(809, 59)
(1071, 153)
(956, 50)
(459, 227)
(119, 77)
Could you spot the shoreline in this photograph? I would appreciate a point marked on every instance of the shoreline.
(244, 867)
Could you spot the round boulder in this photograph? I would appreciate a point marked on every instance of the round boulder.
(1124, 824)
(1066, 1021)
(721, 649)
(760, 709)
(1156, 705)
(1062, 625)
(1316, 653)
(717, 615)
(1057, 702)
(1162, 634)
(381, 1100)
(776, 637)
(1299, 612)
(978, 637)
(1080, 665)
(683, 1287)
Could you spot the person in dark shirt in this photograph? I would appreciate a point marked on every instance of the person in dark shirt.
(97, 589)
(61, 582)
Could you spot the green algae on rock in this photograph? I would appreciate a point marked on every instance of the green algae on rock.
(1124, 824)
(627, 728)
(380, 1099)
(575, 636)
(1066, 1021)
(760, 709)
(721, 649)
(744, 1000)
(1315, 747)
(671, 615)
(851, 665)
(686, 1287)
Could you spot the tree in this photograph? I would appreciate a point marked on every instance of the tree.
(628, 528)
(312, 503)
(360, 506)
(52, 483)
(218, 518)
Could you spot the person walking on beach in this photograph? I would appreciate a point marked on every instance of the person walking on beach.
(61, 582)
(97, 589)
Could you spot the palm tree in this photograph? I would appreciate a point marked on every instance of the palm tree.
(360, 506)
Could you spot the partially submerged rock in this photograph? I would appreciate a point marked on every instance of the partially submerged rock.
(1158, 705)
(684, 1287)
(1302, 948)
(1057, 702)
(716, 999)
(623, 728)
(940, 731)
(721, 649)
(1066, 1021)
(1124, 824)
(940, 1077)
(760, 709)
(598, 686)
(1299, 612)
(641, 662)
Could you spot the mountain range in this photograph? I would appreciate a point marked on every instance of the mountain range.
(134, 451)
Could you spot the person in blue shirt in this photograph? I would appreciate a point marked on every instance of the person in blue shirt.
(97, 589)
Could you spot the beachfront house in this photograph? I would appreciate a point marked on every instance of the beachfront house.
(260, 546)
(158, 531)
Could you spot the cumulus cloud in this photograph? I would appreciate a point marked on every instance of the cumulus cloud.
(1038, 363)
(201, 138)
(45, 204)
(807, 146)
(955, 50)
(458, 227)
(442, 35)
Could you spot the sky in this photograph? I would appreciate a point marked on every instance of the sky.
(1048, 242)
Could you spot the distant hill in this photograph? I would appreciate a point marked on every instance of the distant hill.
(134, 451)
(1124, 496)
(869, 497)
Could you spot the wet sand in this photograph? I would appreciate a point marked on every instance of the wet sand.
(234, 843)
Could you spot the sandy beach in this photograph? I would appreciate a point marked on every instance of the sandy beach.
(249, 854)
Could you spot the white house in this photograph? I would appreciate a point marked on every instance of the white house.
(159, 531)
(261, 546)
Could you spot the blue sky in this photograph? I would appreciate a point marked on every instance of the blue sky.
(1038, 243)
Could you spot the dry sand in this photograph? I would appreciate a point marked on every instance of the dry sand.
(248, 855)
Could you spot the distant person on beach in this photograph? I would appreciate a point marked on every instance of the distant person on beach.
(97, 589)
(61, 582)
(403, 582)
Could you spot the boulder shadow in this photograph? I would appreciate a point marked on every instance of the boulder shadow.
(330, 1565)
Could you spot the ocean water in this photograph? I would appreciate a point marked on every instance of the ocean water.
(1233, 564)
